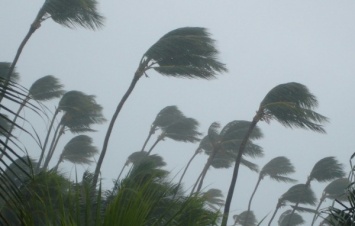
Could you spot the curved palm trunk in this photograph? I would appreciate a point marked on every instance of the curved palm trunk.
(55, 169)
(196, 183)
(146, 141)
(53, 145)
(47, 138)
(236, 167)
(187, 166)
(276, 209)
(316, 213)
(252, 195)
(119, 175)
(135, 79)
(161, 137)
(204, 171)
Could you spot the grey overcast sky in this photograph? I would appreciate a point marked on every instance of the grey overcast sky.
(262, 42)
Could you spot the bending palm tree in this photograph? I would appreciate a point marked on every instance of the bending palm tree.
(292, 105)
(187, 52)
(277, 169)
(165, 117)
(69, 13)
(79, 150)
(298, 193)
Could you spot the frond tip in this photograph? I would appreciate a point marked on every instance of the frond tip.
(185, 52)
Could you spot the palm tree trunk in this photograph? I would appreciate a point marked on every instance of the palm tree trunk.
(252, 195)
(119, 175)
(47, 138)
(53, 145)
(13, 123)
(276, 209)
(146, 141)
(57, 165)
(316, 213)
(187, 166)
(135, 79)
(196, 183)
(204, 171)
(155, 144)
(236, 167)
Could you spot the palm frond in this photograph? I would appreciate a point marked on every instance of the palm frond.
(46, 88)
(79, 150)
(4, 69)
(295, 220)
(185, 52)
(139, 156)
(292, 105)
(213, 198)
(72, 13)
(327, 169)
(236, 130)
(252, 166)
(299, 193)
(277, 168)
(167, 116)
(245, 218)
(184, 130)
(337, 189)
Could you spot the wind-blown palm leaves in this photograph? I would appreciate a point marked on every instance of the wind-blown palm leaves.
(292, 105)
(184, 52)
(79, 150)
(337, 189)
(284, 219)
(80, 112)
(165, 117)
(213, 198)
(245, 218)
(222, 147)
(277, 169)
(300, 193)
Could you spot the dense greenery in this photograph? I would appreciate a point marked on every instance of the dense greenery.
(36, 192)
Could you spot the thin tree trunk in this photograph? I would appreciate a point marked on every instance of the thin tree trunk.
(55, 169)
(135, 79)
(119, 175)
(316, 213)
(155, 143)
(276, 209)
(53, 146)
(146, 141)
(47, 138)
(204, 171)
(196, 183)
(252, 195)
(236, 168)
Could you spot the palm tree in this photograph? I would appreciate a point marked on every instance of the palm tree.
(324, 170)
(80, 112)
(286, 216)
(277, 169)
(291, 104)
(245, 218)
(164, 118)
(183, 129)
(334, 190)
(223, 146)
(187, 52)
(79, 150)
(69, 13)
(298, 193)
(45, 88)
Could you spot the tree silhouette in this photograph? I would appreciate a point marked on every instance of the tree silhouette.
(285, 219)
(187, 52)
(291, 104)
(245, 218)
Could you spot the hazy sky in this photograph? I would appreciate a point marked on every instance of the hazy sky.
(263, 43)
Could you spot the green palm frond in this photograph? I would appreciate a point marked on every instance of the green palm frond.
(236, 130)
(295, 220)
(185, 52)
(245, 218)
(5, 125)
(139, 156)
(213, 198)
(184, 130)
(292, 105)
(299, 193)
(252, 166)
(337, 189)
(72, 13)
(167, 116)
(4, 69)
(79, 150)
(46, 88)
(277, 168)
(326, 169)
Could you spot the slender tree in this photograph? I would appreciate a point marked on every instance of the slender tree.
(277, 169)
(291, 104)
(187, 52)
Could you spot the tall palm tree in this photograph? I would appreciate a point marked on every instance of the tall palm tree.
(79, 150)
(334, 190)
(80, 112)
(223, 146)
(298, 193)
(183, 129)
(69, 13)
(187, 52)
(245, 218)
(324, 170)
(285, 218)
(277, 169)
(291, 104)
(164, 118)
(43, 89)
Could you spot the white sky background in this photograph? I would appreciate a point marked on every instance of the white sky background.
(263, 43)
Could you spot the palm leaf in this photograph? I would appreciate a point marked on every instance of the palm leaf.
(277, 168)
(213, 198)
(246, 218)
(72, 13)
(299, 193)
(292, 105)
(327, 169)
(139, 156)
(295, 220)
(184, 129)
(4, 70)
(337, 189)
(167, 116)
(46, 88)
(185, 52)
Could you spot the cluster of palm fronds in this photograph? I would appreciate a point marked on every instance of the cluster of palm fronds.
(33, 193)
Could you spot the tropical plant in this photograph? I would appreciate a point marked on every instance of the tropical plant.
(300, 193)
(285, 219)
(291, 104)
(187, 52)
(245, 218)
(277, 169)
(213, 198)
